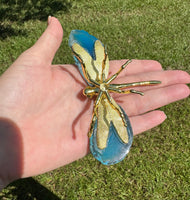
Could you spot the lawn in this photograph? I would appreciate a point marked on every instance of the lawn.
(158, 164)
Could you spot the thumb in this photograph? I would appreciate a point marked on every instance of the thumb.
(47, 45)
(44, 49)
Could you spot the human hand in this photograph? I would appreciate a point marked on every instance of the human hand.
(44, 117)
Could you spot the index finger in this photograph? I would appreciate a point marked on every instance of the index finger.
(135, 67)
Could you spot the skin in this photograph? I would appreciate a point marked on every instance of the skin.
(45, 118)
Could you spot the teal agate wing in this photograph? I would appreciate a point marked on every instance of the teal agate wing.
(86, 41)
(90, 56)
(116, 150)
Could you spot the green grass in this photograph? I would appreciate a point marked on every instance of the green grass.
(158, 165)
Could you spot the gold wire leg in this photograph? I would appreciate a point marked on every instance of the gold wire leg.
(134, 84)
(117, 73)
(126, 91)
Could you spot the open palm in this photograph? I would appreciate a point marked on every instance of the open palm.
(46, 106)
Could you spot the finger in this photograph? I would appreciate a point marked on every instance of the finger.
(135, 104)
(47, 45)
(169, 77)
(147, 121)
(136, 66)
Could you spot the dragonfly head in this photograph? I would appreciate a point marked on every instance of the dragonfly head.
(91, 91)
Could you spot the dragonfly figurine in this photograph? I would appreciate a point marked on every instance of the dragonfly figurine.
(110, 132)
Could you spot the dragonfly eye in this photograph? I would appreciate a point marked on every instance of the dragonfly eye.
(91, 91)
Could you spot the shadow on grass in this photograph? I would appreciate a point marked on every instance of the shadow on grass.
(6, 30)
(19, 11)
(29, 189)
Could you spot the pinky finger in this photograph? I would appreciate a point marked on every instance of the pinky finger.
(147, 121)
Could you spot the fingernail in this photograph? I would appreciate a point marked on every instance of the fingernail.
(49, 19)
